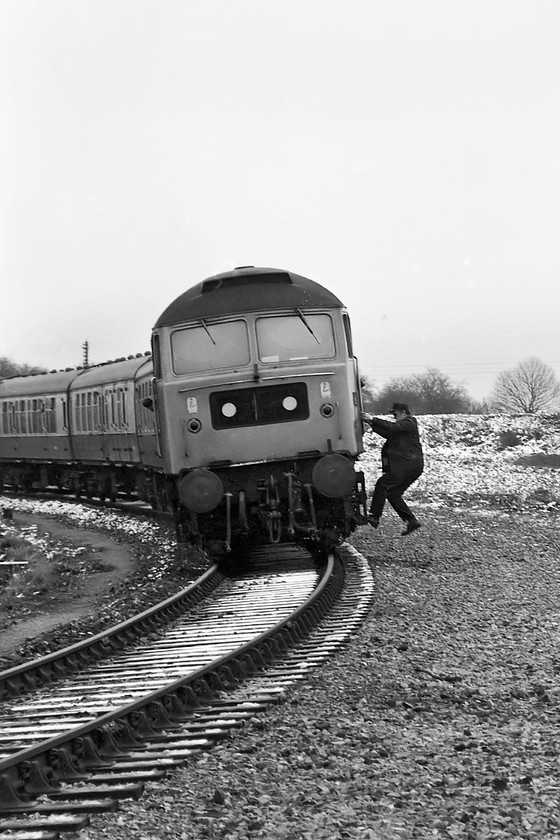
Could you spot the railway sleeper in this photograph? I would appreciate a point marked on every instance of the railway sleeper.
(130, 790)
(98, 805)
(43, 829)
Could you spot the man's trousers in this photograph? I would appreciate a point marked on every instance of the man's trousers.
(390, 487)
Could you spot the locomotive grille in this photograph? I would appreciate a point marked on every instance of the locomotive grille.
(259, 406)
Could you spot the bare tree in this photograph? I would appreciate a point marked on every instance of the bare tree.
(369, 392)
(526, 389)
(10, 368)
(431, 392)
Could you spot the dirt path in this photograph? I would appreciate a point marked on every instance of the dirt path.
(54, 610)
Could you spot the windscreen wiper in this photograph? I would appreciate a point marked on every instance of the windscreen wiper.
(305, 321)
(208, 333)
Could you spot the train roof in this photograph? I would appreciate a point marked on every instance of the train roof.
(247, 289)
(37, 383)
(117, 371)
(58, 382)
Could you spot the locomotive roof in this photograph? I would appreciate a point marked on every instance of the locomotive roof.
(247, 289)
(58, 382)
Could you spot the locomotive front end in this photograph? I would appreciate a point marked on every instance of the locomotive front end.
(258, 405)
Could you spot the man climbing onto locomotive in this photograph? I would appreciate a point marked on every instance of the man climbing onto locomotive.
(402, 462)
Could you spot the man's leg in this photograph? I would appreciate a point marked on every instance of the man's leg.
(395, 499)
(380, 494)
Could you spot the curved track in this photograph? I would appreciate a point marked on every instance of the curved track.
(95, 736)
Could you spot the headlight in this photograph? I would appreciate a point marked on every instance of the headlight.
(229, 409)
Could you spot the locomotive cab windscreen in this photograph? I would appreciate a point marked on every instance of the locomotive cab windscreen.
(290, 338)
(209, 346)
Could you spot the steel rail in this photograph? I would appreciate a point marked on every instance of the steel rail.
(62, 663)
(75, 753)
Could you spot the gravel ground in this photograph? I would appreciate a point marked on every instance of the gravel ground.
(440, 717)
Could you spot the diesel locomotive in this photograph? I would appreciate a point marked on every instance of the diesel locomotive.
(243, 421)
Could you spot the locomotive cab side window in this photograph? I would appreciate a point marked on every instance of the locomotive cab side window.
(291, 338)
(207, 346)
(156, 356)
(348, 334)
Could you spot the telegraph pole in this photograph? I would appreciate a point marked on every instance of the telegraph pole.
(85, 358)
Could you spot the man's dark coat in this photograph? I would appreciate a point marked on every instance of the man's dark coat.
(402, 451)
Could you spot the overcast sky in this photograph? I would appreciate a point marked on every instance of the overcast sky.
(403, 153)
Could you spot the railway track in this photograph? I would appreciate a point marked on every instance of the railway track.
(89, 725)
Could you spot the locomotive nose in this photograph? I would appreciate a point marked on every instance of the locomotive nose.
(201, 490)
(334, 476)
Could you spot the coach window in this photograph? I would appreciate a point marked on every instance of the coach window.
(83, 413)
(104, 410)
(96, 411)
(111, 409)
(49, 417)
(5, 419)
(36, 419)
(41, 418)
(146, 417)
(79, 413)
(89, 413)
(206, 346)
(291, 338)
(121, 409)
(22, 417)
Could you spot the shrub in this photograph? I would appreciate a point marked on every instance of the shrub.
(542, 495)
(509, 438)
